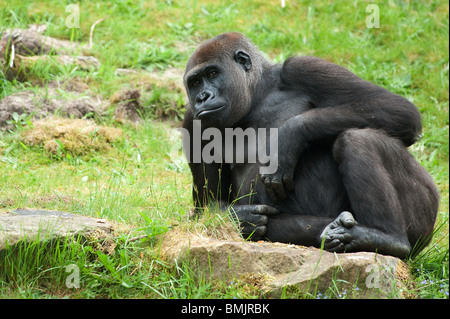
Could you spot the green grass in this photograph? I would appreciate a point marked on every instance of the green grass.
(139, 185)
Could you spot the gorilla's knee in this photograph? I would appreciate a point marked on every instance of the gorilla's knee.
(355, 142)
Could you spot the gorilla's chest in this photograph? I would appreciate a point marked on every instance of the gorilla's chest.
(276, 109)
(254, 144)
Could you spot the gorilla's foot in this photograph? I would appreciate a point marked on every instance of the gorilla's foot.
(336, 236)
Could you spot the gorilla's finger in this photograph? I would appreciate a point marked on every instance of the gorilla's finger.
(335, 245)
(266, 210)
(255, 233)
(330, 243)
(278, 187)
(246, 229)
(347, 219)
(337, 248)
(269, 190)
(344, 237)
(260, 219)
(253, 219)
(259, 232)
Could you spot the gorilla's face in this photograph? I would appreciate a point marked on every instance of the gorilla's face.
(206, 87)
(218, 81)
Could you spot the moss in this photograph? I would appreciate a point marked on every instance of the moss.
(73, 136)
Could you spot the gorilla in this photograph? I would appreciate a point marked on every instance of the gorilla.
(344, 180)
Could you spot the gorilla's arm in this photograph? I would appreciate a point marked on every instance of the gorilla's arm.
(211, 182)
(340, 101)
(211, 186)
(359, 103)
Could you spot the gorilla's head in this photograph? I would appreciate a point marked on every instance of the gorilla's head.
(221, 79)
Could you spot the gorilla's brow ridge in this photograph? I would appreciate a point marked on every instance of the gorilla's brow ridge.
(199, 70)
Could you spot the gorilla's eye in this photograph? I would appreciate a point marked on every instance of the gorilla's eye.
(195, 83)
(212, 74)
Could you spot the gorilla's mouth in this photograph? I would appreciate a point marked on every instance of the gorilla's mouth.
(204, 112)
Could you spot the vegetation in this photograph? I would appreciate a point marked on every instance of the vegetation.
(141, 183)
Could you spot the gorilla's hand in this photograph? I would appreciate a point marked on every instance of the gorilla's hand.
(278, 184)
(290, 147)
(253, 219)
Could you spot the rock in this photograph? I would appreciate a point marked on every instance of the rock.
(19, 49)
(295, 269)
(33, 42)
(120, 71)
(43, 225)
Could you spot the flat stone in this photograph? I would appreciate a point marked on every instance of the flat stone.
(296, 269)
(36, 224)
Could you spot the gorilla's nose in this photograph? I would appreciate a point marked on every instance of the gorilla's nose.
(204, 96)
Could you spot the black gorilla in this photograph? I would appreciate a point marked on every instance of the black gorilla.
(344, 179)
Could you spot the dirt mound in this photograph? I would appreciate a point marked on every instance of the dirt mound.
(67, 99)
(128, 106)
(20, 49)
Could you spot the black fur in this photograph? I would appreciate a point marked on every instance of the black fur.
(344, 178)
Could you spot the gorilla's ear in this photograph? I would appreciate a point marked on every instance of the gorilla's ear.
(243, 59)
